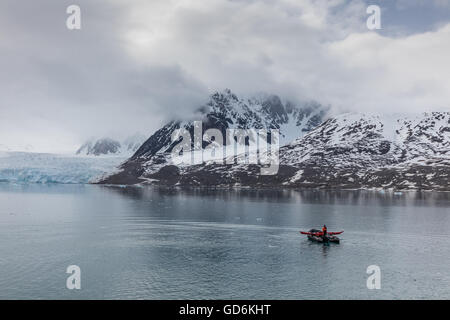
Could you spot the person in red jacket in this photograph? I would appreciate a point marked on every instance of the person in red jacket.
(324, 230)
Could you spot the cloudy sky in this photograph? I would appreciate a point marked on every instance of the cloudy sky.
(134, 64)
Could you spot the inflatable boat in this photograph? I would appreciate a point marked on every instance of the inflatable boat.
(318, 236)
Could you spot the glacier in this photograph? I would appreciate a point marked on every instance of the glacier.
(27, 167)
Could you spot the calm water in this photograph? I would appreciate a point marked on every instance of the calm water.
(160, 244)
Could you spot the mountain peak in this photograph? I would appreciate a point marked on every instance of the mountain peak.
(102, 146)
(109, 146)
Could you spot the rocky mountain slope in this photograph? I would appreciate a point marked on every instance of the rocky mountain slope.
(347, 151)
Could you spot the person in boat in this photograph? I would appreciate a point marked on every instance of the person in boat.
(324, 230)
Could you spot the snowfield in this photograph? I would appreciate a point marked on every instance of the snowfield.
(26, 167)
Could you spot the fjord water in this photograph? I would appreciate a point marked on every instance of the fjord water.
(144, 243)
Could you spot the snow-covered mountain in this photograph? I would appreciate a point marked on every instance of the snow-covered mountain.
(223, 111)
(102, 146)
(346, 151)
(373, 140)
(108, 146)
(357, 150)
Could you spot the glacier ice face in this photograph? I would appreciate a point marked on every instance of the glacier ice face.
(25, 167)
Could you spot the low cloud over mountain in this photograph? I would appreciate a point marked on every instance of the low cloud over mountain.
(136, 64)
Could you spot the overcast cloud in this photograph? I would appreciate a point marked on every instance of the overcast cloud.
(137, 63)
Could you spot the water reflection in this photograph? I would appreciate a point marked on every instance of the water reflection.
(357, 197)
